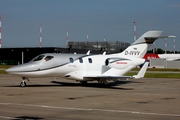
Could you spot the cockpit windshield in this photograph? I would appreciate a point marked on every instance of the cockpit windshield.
(40, 57)
(44, 57)
(47, 58)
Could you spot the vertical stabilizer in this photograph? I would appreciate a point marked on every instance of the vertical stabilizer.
(139, 48)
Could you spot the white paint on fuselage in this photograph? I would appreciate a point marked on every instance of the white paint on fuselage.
(75, 70)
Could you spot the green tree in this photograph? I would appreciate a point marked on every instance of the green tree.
(159, 51)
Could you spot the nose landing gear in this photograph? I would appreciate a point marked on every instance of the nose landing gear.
(23, 83)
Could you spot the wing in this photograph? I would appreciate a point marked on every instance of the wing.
(107, 77)
(140, 74)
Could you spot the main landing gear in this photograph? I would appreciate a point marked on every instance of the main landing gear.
(105, 82)
(23, 83)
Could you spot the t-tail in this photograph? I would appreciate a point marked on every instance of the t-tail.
(139, 48)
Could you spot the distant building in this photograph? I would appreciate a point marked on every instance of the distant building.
(109, 47)
(14, 56)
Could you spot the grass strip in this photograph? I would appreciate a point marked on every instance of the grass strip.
(157, 75)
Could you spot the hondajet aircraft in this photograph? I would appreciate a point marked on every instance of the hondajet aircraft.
(87, 67)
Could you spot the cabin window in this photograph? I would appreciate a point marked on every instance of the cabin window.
(40, 57)
(47, 58)
(80, 60)
(90, 60)
(71, 60)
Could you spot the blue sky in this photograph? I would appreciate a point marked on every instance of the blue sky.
(112, 19)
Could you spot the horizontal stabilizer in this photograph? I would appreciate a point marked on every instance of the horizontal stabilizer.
(170, 36)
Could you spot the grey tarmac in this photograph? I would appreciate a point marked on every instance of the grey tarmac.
(60, 99)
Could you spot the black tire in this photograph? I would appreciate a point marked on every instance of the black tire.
(22, 84)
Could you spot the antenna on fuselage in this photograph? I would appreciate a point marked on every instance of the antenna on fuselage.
(88, 52)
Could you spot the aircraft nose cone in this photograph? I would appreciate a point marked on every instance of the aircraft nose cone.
(18, 69)
(22, 69)
(11, 70)
(8, 70)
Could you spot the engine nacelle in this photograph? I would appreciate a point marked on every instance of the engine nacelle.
(118, 63)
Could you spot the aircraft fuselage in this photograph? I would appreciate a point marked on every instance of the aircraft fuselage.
(75, 66)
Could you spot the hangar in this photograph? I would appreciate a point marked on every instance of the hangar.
(14, 56)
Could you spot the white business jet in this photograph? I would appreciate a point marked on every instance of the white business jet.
(86, 67)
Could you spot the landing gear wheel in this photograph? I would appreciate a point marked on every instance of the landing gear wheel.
(23, 84)
(103, 82)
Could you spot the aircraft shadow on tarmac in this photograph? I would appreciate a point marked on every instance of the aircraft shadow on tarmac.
(111, 85)
(27, 118)
(96, 85)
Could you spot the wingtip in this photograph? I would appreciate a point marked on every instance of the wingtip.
(142, 72)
